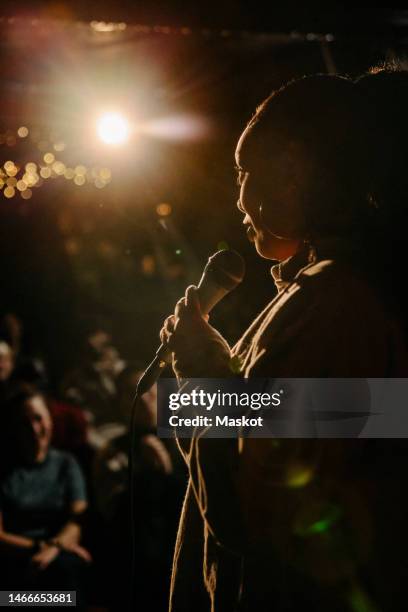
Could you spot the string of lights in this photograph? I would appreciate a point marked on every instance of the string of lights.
(22, 178)
(118, 28)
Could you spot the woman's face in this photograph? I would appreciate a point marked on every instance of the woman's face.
(35, 428)
(278, 237)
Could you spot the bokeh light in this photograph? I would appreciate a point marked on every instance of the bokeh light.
(9, 191)
(58, 167)
(69, 173)
(22, 131)
(79, 179)
(113, 128)
(21, 185)
(45, 172)
(148, 265)
(49, 158)
(163, 210)
(31, 168)
(26, 194)
(299, 476)
(10, 168)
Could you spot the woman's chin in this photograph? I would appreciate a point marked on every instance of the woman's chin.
(277, 249)
(263, 249)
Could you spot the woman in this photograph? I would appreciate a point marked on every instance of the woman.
(281, 524)
(42, 499)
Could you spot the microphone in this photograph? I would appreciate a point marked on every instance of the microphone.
(223, 272)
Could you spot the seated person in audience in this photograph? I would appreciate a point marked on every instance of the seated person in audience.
(42, 500)
(92, 385)
(6, 370)
(110, 475)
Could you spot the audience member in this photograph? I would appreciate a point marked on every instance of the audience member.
(42, 502)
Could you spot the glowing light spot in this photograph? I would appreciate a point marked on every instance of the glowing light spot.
(45, 172)
(102, 26)
(80, 170)
(9, 192)
(79, 179)
(299, 476)
(26, 195)
(178, 251)
(1, 183)
(329, 516)
(49, 158)
(99, 183)
(59, 146)
(69, 173)
(148, 265)
(22, 131)
(31, 168)
(12, 171)
(113, 128)
(21, 185)
(105, 174)
(164, 210)
(12, 182)
(178, 127)
(58, 167)
(30, 179)
(10, 168)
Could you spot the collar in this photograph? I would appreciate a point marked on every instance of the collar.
(285, 271)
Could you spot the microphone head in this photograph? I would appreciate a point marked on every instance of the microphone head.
(223, 272)
(226, 268)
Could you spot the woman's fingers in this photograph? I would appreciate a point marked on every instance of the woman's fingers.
(180, 308)
(192, 300)
(189, 306)
(169, 324)
(167, 330)
(187, 310)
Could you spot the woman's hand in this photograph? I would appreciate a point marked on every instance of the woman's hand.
(199, 350)
(41, 560)
(79, 550)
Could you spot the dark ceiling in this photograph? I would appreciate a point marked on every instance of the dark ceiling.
(265, 16)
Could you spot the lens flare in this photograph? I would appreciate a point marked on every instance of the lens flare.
(113, 128)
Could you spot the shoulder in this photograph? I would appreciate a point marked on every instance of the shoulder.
(330, 273)
(62, 459)
(341, 285)
(318, 269)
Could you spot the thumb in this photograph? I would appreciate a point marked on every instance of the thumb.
(193, 301)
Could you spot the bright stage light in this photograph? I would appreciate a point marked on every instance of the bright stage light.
(113, 128)
(178, 127)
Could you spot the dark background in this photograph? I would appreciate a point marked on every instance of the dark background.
(70, 254)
